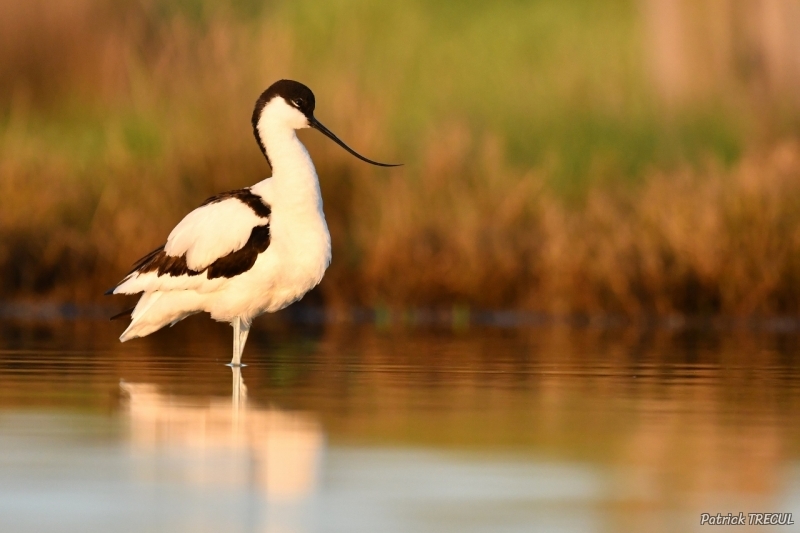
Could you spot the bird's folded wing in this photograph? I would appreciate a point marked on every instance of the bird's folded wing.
(212, 231)
(214, 242)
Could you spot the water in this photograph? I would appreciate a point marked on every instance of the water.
(351, 428)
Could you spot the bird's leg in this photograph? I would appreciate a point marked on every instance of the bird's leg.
(244, 330)
(240, 330)
(237, 335)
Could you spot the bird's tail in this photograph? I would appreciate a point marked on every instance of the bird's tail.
(158, 309)
(139, 327)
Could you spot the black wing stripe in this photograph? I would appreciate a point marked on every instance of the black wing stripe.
(167, 264)
(247, 197)
(243, 259)
(228, 266)
(145, 260)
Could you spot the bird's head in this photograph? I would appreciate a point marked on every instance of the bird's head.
(289, 104)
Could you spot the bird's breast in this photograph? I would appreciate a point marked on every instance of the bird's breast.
(301, 246)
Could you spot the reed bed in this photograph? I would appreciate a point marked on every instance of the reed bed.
(687, 241)
(556, 188)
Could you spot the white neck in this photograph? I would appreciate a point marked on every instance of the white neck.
(294, 178)
(297, 224)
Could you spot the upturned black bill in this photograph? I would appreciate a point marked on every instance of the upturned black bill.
(317, 125)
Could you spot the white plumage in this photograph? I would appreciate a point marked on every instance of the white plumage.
(245, 252)
(212, 231)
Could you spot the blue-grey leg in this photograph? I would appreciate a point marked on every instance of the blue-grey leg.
(240, 331)
(237, 336)
(244, 331)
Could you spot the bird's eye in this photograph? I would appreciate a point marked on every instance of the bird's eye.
(298, 102)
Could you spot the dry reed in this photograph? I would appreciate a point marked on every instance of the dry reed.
(106, 146)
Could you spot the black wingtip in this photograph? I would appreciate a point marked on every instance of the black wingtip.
(123, 314)
(109, 292)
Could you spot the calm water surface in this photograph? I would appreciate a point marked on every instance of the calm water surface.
(351, 428)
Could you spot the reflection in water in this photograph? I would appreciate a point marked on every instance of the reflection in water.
(541, 429)
(221, 442)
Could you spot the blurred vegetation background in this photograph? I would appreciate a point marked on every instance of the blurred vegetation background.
(625, 156)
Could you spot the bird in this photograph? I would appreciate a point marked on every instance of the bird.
(249, 251)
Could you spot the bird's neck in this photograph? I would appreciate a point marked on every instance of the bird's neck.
(294, 178)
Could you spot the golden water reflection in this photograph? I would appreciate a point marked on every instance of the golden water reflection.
(228, 441)
(569, 429)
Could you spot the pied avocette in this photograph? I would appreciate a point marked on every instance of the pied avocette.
(245, 252)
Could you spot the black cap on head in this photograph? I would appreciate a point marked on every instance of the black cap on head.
(294, 92)
(299, 96)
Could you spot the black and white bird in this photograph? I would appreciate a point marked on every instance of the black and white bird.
(245, 252)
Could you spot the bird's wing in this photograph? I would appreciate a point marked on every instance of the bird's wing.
(220, 239)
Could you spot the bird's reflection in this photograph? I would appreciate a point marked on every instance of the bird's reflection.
(221, 442)
(238, 391)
